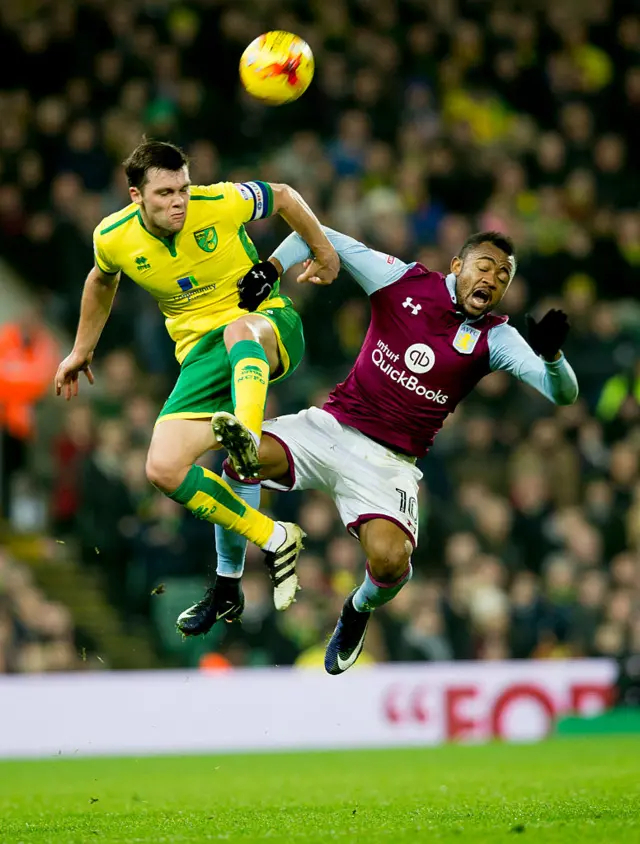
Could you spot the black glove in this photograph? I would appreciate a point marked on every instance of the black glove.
(257, 285)
(547, 336)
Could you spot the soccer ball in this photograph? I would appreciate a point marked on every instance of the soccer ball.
(277, 67)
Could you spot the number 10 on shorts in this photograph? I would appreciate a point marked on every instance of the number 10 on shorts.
(408, 504)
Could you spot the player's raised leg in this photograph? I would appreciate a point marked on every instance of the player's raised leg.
(388, 551)
(224, 599)
(175, 445)
(226, 592)
(280, 335)
(254, 356)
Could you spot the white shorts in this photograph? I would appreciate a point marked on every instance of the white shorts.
(365, 480)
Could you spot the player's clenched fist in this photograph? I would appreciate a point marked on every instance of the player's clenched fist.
(66, 380)
(257, 284)
(547, 336)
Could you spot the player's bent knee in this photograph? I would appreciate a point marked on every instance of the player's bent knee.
(389, 559)
(163, 473)
(239, 329)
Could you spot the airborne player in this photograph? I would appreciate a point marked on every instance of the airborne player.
(187, 246)
(431, 339)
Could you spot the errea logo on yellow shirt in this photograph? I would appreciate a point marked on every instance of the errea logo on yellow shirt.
(142, 263)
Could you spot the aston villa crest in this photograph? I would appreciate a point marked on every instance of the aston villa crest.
(466, 339)
(207, 239)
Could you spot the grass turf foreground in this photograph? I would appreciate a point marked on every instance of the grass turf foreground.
(573, 790)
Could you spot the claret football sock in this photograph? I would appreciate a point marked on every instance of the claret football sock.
(372, 594)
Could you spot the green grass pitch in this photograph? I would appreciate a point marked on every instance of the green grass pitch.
(571, 790)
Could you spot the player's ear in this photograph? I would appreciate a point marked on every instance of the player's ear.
(135, 195)
(456, 265)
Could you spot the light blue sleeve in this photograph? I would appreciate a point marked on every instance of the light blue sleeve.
(509, 351)
(372, 270)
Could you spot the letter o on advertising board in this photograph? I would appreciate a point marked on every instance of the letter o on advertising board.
(517, 695)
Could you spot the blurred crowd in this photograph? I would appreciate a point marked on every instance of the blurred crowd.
(35, 634)
(426, 121)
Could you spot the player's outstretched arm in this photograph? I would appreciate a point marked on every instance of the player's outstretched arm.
(256, 285)
(95, 307)
(291, 206)
(539, 363)
(372, 270)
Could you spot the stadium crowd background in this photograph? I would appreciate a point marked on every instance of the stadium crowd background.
(425, 121)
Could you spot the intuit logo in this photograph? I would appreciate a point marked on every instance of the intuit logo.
(385, 359)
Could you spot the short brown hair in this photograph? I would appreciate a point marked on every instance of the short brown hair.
(150, 155)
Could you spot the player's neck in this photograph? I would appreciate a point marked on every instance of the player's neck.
(464, 314)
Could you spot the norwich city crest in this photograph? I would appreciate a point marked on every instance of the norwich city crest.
(207, 239)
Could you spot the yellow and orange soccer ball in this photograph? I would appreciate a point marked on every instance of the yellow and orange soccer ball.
(277, 67)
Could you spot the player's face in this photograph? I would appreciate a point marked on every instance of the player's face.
(164, 199)
(482, 279)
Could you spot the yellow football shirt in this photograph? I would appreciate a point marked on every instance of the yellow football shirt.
(193, 275)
